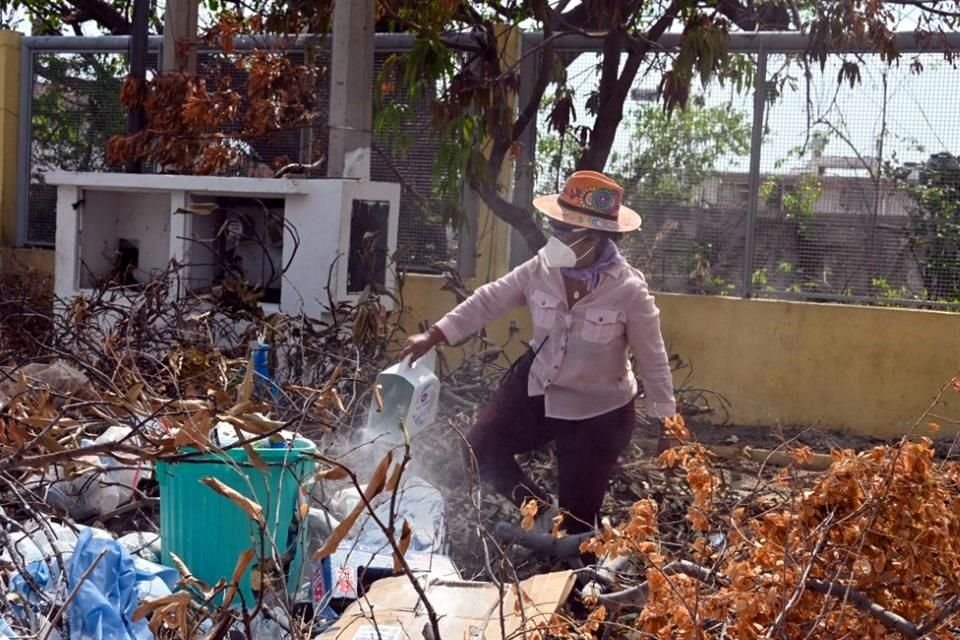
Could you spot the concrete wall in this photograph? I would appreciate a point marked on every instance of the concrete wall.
(26, 259)
(868, 370)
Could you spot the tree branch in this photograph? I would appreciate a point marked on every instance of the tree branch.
(754, 17)
(610, 111)
(636, 597)
(926, 7)
(103, 14)
(887, 618)
(517, 217)
(566, 547)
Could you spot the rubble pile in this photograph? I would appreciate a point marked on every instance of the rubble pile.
(185, 467)
(130, 378)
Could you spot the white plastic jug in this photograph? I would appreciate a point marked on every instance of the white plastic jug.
(410, 393)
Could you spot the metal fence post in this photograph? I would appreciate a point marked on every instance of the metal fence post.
(756, 143)
(24, 142)
(523, 186)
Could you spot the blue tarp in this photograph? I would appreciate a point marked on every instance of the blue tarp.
(107, 598)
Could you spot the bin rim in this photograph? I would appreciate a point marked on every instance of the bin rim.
(300, 451)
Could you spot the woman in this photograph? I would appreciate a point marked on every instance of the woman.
(575, 387)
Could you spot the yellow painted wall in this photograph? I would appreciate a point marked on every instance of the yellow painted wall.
(27, 259)
(9, 110)
(867, 370)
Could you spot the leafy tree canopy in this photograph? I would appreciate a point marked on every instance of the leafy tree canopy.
(470, 84)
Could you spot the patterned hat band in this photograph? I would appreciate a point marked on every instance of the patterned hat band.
(599, 201)
(610, 214)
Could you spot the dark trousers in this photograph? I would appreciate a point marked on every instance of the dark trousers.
(587, 450)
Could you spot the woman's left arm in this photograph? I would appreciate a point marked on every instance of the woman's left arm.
(653, 363)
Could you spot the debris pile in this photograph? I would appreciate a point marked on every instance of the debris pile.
(139, 410)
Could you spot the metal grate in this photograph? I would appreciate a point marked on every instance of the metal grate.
(75, 110)
(840, 215)
(857, 191)
(672, 168)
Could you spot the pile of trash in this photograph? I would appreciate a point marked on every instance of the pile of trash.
(166, 471)
(71, 568)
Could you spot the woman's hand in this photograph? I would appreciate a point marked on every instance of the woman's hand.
(418, 344)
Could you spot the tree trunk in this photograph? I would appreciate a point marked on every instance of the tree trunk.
(614, 90)
(519, 218)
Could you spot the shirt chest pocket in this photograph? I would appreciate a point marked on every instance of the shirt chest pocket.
(602, 325)
(544, 309)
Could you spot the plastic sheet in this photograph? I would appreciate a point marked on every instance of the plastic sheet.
(104, 602)
(109, 586)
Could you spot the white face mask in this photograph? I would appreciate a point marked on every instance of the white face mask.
(556, 254)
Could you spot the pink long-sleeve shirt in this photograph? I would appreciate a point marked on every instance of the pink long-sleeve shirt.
(583, 366)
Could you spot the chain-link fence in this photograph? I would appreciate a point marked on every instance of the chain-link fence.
(74, 108)
(854, 194)
(796, 187)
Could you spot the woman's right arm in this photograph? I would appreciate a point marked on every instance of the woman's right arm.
(484, 306)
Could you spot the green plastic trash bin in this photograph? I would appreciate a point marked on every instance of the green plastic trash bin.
(209, 532)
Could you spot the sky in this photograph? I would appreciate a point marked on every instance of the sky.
(920, 117)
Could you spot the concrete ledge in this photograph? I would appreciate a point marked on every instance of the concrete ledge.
(40, 260)
(869, 370)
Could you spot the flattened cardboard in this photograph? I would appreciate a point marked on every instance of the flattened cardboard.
(467, 610)
(350, 557)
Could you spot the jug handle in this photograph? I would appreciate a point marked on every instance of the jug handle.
(406, 362)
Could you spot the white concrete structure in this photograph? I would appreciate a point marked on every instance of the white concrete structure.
(162, 218)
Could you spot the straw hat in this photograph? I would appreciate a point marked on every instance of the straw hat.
(592, 200)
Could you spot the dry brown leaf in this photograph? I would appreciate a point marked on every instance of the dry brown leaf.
(195, 431)
(338, 401)
(379, 478)
(253, 456)
(133, 394)
(333, 379)
(374, 487)
(251, 508)
(334, 473)
(394, 480)
(255, 459)
(176, 599)
(254, 423)
(406, 536)
(245, 390)
(181, 567)
(529, 513)
(242, 563)
(557, 531)
(240, 408)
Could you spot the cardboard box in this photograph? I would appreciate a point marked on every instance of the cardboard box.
(466, 610)
(351, 559)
